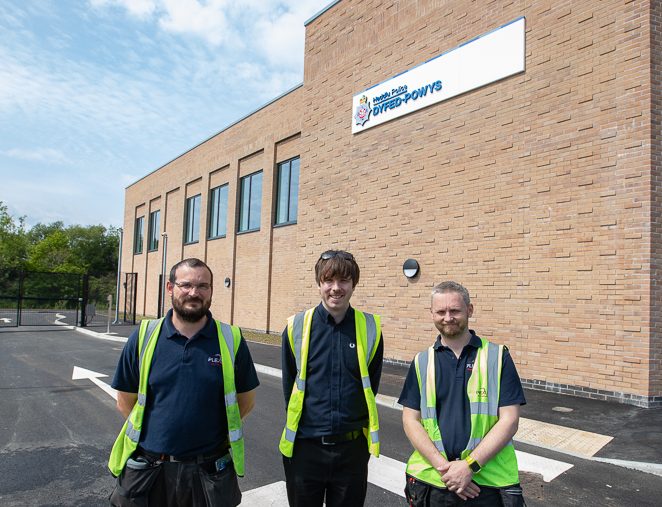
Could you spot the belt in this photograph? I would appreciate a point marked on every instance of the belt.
(200, 458)
(338, 439)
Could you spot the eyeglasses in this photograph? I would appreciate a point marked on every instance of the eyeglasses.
(188, 287)
(330, 254)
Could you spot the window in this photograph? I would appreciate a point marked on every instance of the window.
(218, 212)
(192, 220)
(288, 192)
(138, 236)
(250, 202)
(153, 231)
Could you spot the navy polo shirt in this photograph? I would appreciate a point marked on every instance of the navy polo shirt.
(453, 408)
(334, 402)
(185, 411)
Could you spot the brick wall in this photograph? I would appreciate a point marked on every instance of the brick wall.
(533, 191)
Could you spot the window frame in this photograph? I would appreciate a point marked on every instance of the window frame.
(240, 214)
(188, 220)
(280, 166)
(153, 239)
(214, 209)
(138, 238)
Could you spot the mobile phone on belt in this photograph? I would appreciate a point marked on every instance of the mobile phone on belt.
(223, 462)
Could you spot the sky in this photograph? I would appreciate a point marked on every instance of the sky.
(95, 94)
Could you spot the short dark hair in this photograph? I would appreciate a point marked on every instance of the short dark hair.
(450, 286)
(337, 264)
(191, 263)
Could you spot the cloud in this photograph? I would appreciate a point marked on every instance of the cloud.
(138, 8)
(38, 155)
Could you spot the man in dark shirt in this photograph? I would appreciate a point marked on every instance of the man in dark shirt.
(470, 408)
(182, 444)
(332, 362)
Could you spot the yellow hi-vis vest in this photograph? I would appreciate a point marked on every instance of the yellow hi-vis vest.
(127, 441)
(368, 334)
(483, 392)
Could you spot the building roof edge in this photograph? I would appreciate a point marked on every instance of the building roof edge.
(217, 133)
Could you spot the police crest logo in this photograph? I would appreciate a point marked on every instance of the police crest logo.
(362, 111)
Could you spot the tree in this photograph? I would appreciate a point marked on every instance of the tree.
(13, 241)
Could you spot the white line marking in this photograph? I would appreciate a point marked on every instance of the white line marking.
(550, 469)
(387, 473)
(649, 468)
(271, 495)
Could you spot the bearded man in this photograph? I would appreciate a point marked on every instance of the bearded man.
(184, 384)
(461, 403)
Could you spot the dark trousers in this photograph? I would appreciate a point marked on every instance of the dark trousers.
(176, 484)
(339, 471)
(420, 494)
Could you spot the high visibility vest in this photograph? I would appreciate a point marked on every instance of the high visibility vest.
(229, 338)
(368, 334)
(483, 392)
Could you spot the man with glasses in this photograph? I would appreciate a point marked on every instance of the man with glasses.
(332, 362)
(184, 383)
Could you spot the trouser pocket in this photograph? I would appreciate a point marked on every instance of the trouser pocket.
(416, 492)
(221, 488)
(512, 496)
(134, 483)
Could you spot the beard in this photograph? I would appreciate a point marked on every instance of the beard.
(190, 314)
(450, 331)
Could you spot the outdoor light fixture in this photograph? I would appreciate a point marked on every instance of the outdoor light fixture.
(410, 268)
(227, 282)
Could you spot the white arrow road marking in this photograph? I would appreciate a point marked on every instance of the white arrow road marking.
(5, 320)
(80, 373)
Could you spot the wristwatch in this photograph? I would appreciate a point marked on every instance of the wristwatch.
(473, 464)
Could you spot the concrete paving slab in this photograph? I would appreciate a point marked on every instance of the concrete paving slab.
(560, 438)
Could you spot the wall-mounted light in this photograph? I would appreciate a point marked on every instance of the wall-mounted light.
(410, 268)
(227, 282)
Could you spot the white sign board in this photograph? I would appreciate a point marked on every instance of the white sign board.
(485, 59)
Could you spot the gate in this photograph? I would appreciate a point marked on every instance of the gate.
(130, 290)
(33, 298)
(9, 296)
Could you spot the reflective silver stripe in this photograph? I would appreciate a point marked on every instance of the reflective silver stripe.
(428, 413)
(374, 436)
(142, 399)
(440, 446)
(132, 433)
(231, 398)
(371, 332)
(297, 337)
(473, 443)
(151, 326)
(422, 371)
(235, 435)
(366, 382)
(480, 408)
(290, 435)
(493, 379)
(226, 330)
(301, 384)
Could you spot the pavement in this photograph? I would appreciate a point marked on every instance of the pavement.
(604, 431)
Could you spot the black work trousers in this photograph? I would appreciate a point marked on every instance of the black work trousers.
(338, 471)
(176, 484)
(420, 494)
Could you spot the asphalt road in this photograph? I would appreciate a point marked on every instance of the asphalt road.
(56, 433)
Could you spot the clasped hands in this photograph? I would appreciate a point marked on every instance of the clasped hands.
(457, 477)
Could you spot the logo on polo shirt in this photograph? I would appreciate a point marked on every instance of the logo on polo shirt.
(214, 360)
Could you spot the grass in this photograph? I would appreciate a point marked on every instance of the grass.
(257, 336)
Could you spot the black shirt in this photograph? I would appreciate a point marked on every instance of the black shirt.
(453, 407)
(334, 402)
